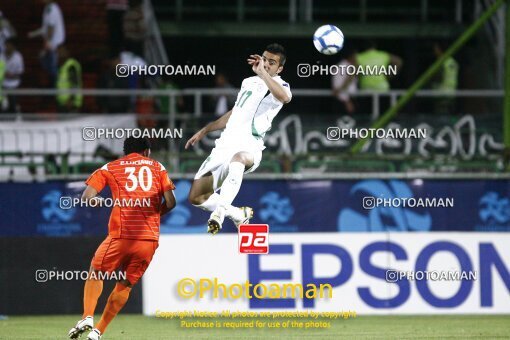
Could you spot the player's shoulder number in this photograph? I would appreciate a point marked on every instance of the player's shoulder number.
(142, 179)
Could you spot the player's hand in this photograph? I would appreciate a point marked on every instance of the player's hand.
(254, 59)
(257, 64)
(196, 137)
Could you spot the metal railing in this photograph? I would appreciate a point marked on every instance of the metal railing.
(34, 155)
(198, 95)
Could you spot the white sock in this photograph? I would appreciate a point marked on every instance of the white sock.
(231, 184)
(212, 203)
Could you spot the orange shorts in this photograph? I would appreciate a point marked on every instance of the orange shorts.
(129, 256)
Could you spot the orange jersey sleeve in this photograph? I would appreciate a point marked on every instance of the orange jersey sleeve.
(98, 179)
(166, 183)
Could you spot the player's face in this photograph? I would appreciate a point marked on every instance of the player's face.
(272, 63)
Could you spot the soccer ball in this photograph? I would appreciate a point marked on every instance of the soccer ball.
(328, 39)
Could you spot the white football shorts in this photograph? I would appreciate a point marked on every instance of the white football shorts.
(218, 162)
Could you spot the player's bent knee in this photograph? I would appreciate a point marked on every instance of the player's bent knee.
(193, 196)
(201, 189)
(196, 199)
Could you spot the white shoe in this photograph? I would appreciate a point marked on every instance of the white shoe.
(215, 221)
(247, 216)
(94, 334)
(81, 327)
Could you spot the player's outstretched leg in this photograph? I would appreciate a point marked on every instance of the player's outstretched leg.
(202, 196)
(230, 189)
(91, 293)
(116, 301)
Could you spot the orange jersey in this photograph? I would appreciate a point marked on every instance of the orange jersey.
(137, 184)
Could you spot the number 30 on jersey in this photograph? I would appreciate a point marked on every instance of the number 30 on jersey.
(144, 178)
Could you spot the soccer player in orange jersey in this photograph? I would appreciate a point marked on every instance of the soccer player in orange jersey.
(133, 229)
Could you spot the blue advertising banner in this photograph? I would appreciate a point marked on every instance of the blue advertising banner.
(31, 209)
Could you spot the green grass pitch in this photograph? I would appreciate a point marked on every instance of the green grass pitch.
(361, 327)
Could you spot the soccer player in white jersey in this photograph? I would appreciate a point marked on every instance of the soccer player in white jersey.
(239, 148)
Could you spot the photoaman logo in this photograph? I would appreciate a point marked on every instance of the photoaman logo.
(253, 238)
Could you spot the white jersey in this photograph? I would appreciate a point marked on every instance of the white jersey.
(252, 115)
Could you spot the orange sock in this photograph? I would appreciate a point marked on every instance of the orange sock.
(91, 293)
(116, 301)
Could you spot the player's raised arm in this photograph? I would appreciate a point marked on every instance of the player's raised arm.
(218, 124)
(259, 65)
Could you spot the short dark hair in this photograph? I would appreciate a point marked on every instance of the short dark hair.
(133, 144)
(277, 49)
